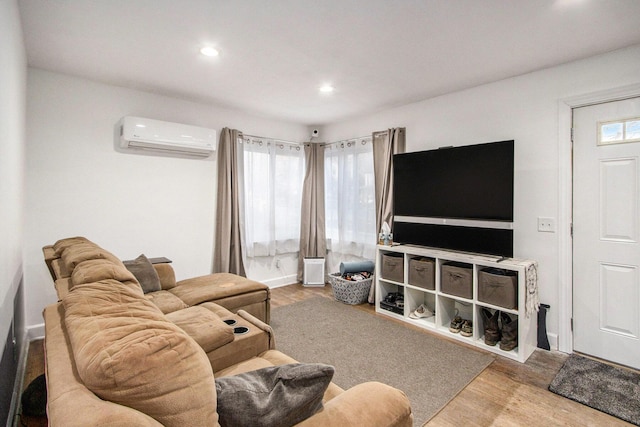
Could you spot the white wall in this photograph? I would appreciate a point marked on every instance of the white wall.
(13, 74)
(524, 108)
(78, 184)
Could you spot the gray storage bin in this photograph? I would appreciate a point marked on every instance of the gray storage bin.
(498, 287)
(422, 273)
(393, 267)
(457, 279)
(350, 291)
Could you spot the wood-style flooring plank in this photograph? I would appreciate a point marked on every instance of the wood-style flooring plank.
(495, 399)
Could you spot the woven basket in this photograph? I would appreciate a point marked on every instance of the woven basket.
(349, 291)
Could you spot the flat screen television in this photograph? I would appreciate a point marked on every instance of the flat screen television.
(457, 198)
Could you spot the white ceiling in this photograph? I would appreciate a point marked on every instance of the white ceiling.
(274, 54)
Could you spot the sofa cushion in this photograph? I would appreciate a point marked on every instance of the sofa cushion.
(69, 402)
(62, 244)
(145, 273)
(166, 301)
(166, 274)
(208, 329)
(94, 270)
(273, 396)
(219, 310)
(74, 255)
(128, 353)
(215, 286)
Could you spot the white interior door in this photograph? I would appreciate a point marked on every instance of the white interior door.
(606, 234)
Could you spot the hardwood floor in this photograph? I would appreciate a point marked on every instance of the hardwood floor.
(506, 393)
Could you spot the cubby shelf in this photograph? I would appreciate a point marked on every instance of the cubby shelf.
(446, 306)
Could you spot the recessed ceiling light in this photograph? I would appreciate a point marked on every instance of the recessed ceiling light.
(209, 51)
(326, 88)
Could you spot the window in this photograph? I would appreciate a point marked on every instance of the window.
(273, 173)
(350, 209)
(619, 131)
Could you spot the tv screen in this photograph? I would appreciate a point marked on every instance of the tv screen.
(458, 198)
(470, 182)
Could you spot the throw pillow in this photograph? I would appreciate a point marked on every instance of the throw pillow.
(142, 268)
(275, 396)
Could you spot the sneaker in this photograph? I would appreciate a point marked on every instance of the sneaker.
(456, 325)
(421, 312)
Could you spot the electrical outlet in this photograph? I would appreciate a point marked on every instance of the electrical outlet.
(546, 225)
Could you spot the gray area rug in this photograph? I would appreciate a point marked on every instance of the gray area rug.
(613, 390)
(364, 347)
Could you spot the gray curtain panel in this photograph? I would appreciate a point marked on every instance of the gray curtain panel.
(385, 145)
(312, 227)
(227, 254)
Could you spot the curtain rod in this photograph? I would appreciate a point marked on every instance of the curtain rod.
(270, 139)
(308, 142)
(346, 140)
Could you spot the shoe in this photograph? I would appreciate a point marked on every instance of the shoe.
(509, 339)
(466, 330)
(421, 312)
(491, 329)
(456, 325)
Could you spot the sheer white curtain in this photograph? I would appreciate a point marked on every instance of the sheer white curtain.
(350, 207)
(273, 172)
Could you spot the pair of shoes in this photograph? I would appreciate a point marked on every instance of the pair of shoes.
(421, 312)
(464, 326)
(509, 332)
(499, 326)
(466, 330)
(491, 328)
(456, 325)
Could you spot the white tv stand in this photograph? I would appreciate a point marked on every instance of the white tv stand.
(446, 305)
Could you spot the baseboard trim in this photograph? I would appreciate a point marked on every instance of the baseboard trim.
(281, 281)
(35, 332)
(553, 341)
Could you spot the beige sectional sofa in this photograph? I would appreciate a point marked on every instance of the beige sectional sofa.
(230, 291)
(116, 356)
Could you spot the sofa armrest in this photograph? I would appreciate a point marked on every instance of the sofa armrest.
(260, 325)
(371, 404)
(245, 347)
(49, 255)
(63, 286)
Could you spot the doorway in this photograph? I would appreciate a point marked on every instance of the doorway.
(606, 231)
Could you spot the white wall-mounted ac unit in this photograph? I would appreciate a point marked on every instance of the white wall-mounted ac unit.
(167, 137)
